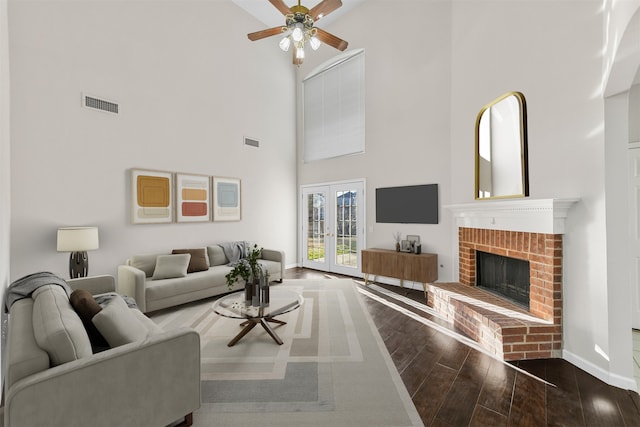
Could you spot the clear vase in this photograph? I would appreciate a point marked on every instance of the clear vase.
(255, 295)
(248, 293)
(264, 295)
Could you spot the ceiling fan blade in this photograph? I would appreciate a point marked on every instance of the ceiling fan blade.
(264, 33)
(324, 8)
(331, 40)
(281, 6)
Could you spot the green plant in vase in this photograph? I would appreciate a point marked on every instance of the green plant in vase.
(247, 268)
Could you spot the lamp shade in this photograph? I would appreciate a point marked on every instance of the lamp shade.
(77, 239)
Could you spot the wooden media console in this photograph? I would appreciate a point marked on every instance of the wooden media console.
(422, 268)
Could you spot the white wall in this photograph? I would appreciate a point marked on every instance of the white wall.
(5, 167)
(189, 85)
(634, 111)
(624, 41)
(407, 98)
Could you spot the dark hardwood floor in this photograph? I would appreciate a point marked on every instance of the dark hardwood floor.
(453, 384)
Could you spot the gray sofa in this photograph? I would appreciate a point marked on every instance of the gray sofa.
(153, 381)
(138, 278)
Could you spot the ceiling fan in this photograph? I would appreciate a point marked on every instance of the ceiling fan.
(299, 28)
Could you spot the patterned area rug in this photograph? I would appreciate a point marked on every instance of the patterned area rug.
(333, 368)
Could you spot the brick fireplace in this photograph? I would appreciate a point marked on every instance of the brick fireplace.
(543, 251)
(524, 229)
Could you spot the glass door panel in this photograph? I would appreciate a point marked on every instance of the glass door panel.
(314, 216)
(316, 235)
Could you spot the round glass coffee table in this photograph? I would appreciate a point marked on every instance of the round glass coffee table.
(281, 301)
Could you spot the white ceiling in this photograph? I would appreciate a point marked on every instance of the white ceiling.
(266, 13)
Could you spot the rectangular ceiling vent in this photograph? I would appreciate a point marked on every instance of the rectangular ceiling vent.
(251, 142)
(90, 101)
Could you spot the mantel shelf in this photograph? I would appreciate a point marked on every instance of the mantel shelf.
(528, 215)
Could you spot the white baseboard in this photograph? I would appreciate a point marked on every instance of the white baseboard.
(627, 383)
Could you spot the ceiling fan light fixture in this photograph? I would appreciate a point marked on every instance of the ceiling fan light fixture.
(297, 33)
(285, 43)
(314, 42)
(299, 28)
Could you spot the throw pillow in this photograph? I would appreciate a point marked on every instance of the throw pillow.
(216, 255)
(199, 259)
(86, 306)
(57, 328)
(118, 324)
(171, 266)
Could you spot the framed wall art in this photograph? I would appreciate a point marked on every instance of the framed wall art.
(151, 197)
(226, 199)
(193, 198)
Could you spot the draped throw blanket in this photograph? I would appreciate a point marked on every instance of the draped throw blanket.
(25, 286)
(234, 251)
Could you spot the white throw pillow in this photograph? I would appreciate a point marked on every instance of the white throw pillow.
(57, 327)
(118, 324)
(171, 266)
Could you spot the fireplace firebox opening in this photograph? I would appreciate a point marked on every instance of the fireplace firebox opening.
(504, 276)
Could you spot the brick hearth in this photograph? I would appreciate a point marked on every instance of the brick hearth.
(502, 328)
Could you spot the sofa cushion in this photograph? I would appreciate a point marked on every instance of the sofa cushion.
(216, 255)
(171, 266)
(57, 328)
(193, 283)
(199, 259)
(121, 325)
(146, 263)
(86, 306)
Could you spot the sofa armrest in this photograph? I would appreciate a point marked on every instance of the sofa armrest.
(94, 284)
(274, 255)
(152, 382)
(131, 282)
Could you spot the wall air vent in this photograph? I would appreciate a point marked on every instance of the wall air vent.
(89, 101)
(251, 142)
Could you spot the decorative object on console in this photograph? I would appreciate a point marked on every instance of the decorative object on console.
(226, 199)
(299, 28)
(77, 240)
(151, 197)
(192, 198)
(397, 236)
(414, 243)
(502, 167)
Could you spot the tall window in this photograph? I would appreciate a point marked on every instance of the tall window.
(333, 108)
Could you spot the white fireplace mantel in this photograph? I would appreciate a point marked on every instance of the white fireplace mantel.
(529, 215)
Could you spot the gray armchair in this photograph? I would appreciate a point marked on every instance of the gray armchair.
(153, 382)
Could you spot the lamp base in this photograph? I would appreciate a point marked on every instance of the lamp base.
(78, 264)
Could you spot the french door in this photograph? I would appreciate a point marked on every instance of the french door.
(333, 227)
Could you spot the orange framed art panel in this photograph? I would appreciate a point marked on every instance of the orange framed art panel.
(151, 197)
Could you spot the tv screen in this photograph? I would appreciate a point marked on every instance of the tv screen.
(414, 204)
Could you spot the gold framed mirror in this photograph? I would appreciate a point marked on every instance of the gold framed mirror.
(501, 161)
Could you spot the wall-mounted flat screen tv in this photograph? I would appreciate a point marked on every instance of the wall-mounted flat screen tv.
(414, 204)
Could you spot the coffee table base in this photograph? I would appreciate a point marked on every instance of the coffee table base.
(251, 323)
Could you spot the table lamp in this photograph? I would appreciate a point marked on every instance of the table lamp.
(78, 240)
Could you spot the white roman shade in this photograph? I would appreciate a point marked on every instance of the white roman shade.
(334, 108)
